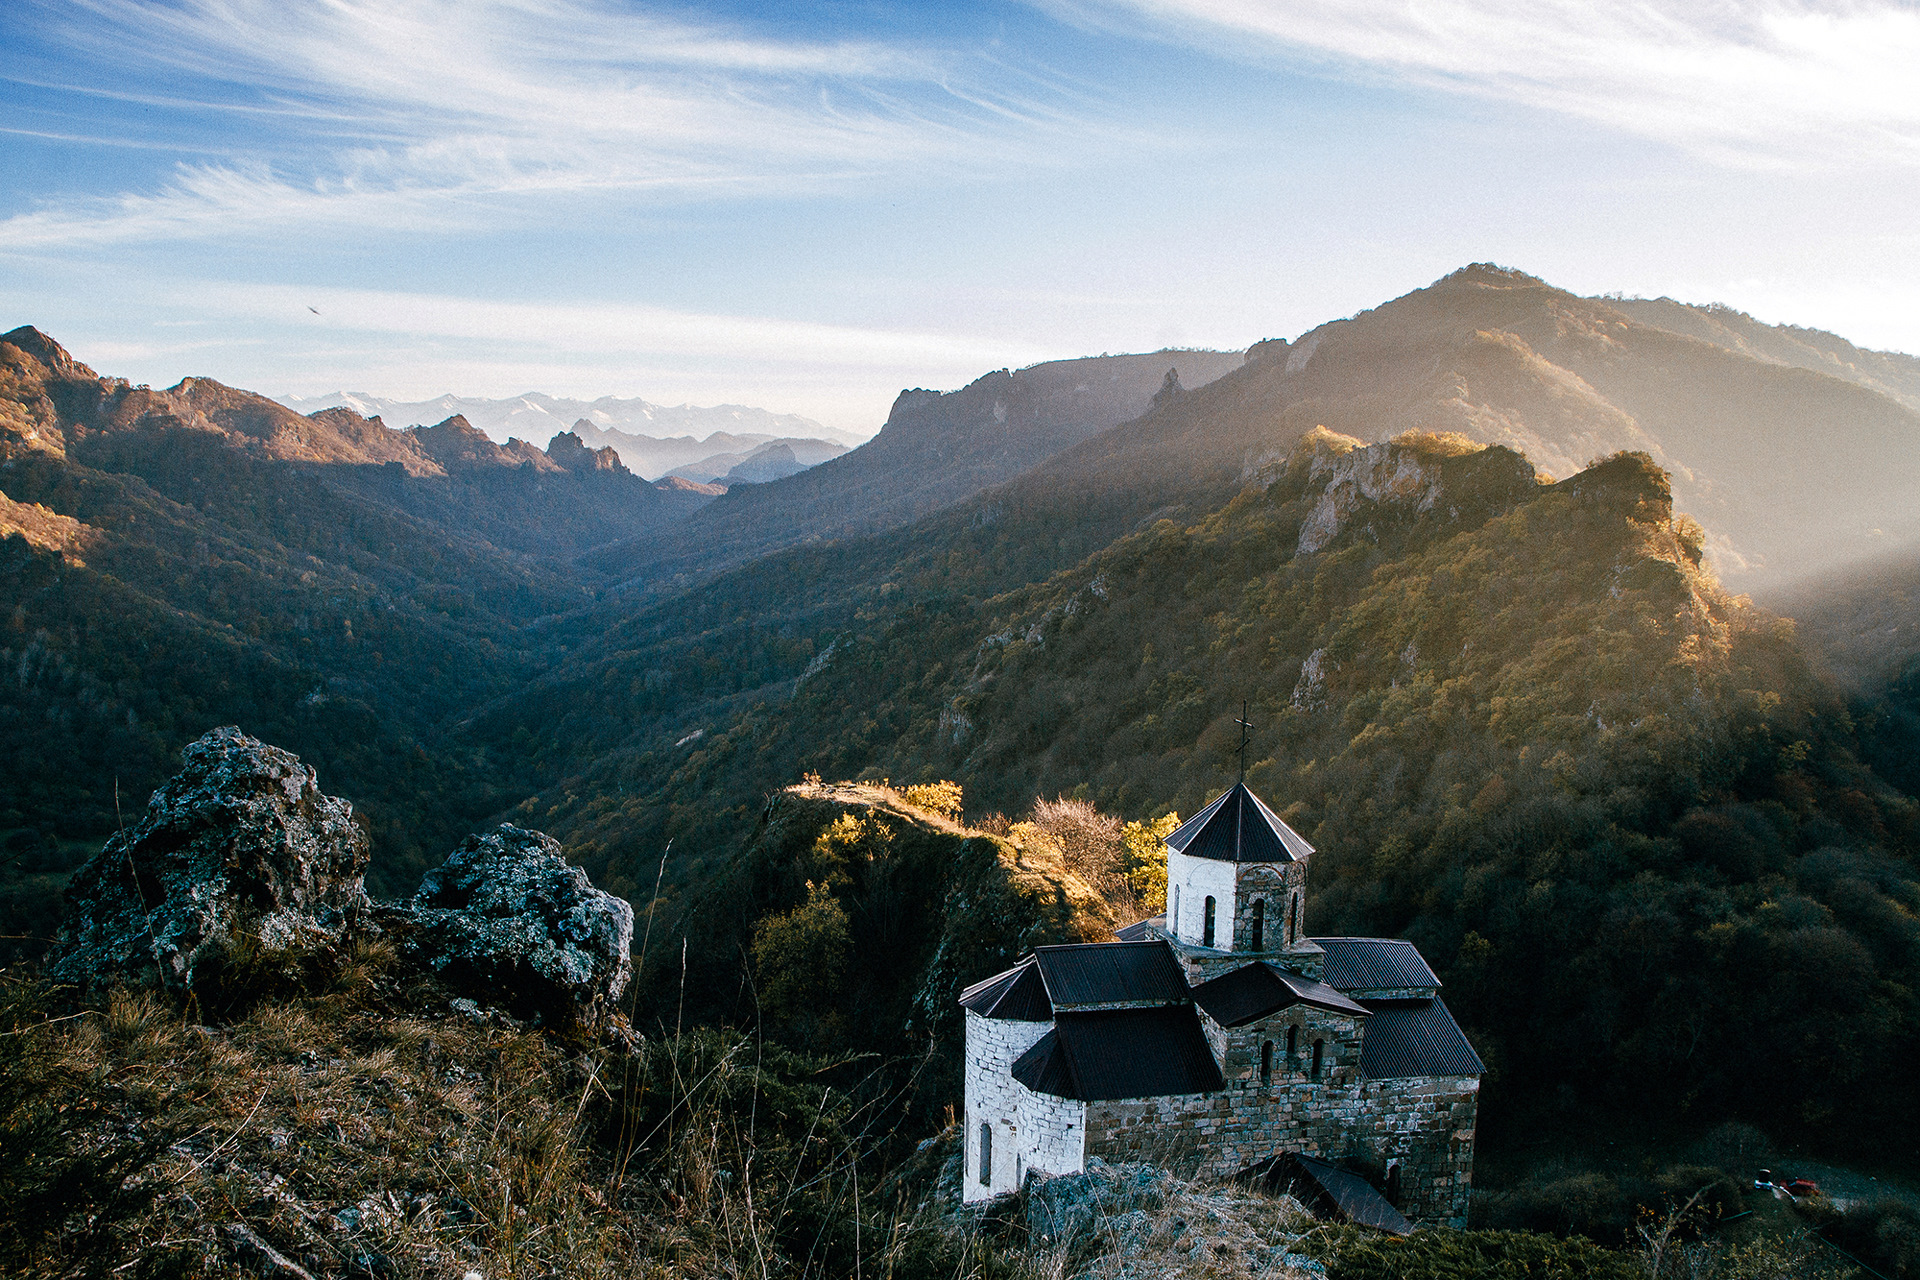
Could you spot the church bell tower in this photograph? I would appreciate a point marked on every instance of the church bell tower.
(1237, 886)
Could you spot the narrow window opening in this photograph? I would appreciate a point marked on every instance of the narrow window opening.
(1174, 919)
(1293, 930)
(1266, 1062)
(1206, 925)
(986, 1154)
(1258, 934)
(1393, 1186)
(1293, 1045)
(1319, 1047)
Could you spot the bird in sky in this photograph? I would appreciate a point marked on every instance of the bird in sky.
(315, 310)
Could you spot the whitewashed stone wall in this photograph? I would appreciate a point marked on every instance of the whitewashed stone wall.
(1198, 878)
(992, 1099)
(1052, 1133)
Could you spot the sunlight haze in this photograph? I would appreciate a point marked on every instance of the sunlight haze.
(809, 211)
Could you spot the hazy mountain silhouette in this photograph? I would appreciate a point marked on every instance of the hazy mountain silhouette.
(935, 449)
(650, 437)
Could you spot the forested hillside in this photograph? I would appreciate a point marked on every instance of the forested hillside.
(202, 555)
(1522, 723)
(1502, 689)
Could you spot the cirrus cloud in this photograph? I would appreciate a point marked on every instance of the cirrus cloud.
(442, 113)
(1801, 83)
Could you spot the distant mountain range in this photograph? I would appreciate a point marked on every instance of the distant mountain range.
(1796, 451)
(769, 460)
(936, 449)
(651, 439)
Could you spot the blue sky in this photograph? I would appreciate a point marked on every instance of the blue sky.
(808, 207)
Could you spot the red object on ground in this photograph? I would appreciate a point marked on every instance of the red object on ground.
(1802, 1187)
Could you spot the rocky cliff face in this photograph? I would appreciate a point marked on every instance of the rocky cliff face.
(1416, 474)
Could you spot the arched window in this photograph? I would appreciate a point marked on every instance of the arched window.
(1266, 1062)
(1173, 921)
(1206, 925)
(1257, 935)
(986, 1154)
(1319, 1047)
(1293, 1045)
(1393, 1185)
(1293, 932)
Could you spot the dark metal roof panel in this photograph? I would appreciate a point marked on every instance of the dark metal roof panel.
(1150, 1052)
(1374, 964)
(1238, 827)
(1111, 973)
(998, 982)
(1143, 931)
(1044, 1068)
(1256, 990)
(1017, 994)
(1415, 1038)
(1352, 1195)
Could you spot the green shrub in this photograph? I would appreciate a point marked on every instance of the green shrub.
(1353, 1254)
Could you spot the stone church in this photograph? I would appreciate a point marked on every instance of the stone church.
(1219, 1037)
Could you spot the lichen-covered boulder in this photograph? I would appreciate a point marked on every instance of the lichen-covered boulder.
(1063, 1211)
(241, 858)
(509, 922)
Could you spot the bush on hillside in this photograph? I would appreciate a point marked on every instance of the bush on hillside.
(1884, 1234)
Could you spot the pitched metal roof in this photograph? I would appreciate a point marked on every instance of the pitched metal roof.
(1415, 1038)
(1111, 973)
(1148, 1052)
(1330, 1190)
(1255, 990)
(1374, 964)
(1238, 827)
(1017, 994)
(1141, 931)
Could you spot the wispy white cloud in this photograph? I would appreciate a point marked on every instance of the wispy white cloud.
(1768, 82)
(416, 112)
(590, 328)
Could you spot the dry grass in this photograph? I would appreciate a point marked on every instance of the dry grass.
(357, 1134)
(1202, 1231)
(351, 1142)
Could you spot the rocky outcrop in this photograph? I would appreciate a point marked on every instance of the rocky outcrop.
(1066, 1210)
(240, 855)
(507, 921)
(242, 861)
(1135, 1220)
(568, 450)
(1412, 475)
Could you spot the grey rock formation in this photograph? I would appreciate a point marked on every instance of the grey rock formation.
(240, 855)
(1064, 1211)
(243, 861)
(506, 920)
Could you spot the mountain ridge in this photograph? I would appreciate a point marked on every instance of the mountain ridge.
(936, 449)
(651, 438)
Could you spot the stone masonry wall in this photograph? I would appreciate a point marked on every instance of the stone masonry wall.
(1273, 883)
(1425, 1126)
(992, 1099)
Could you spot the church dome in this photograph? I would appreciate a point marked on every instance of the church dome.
(1238, 827)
